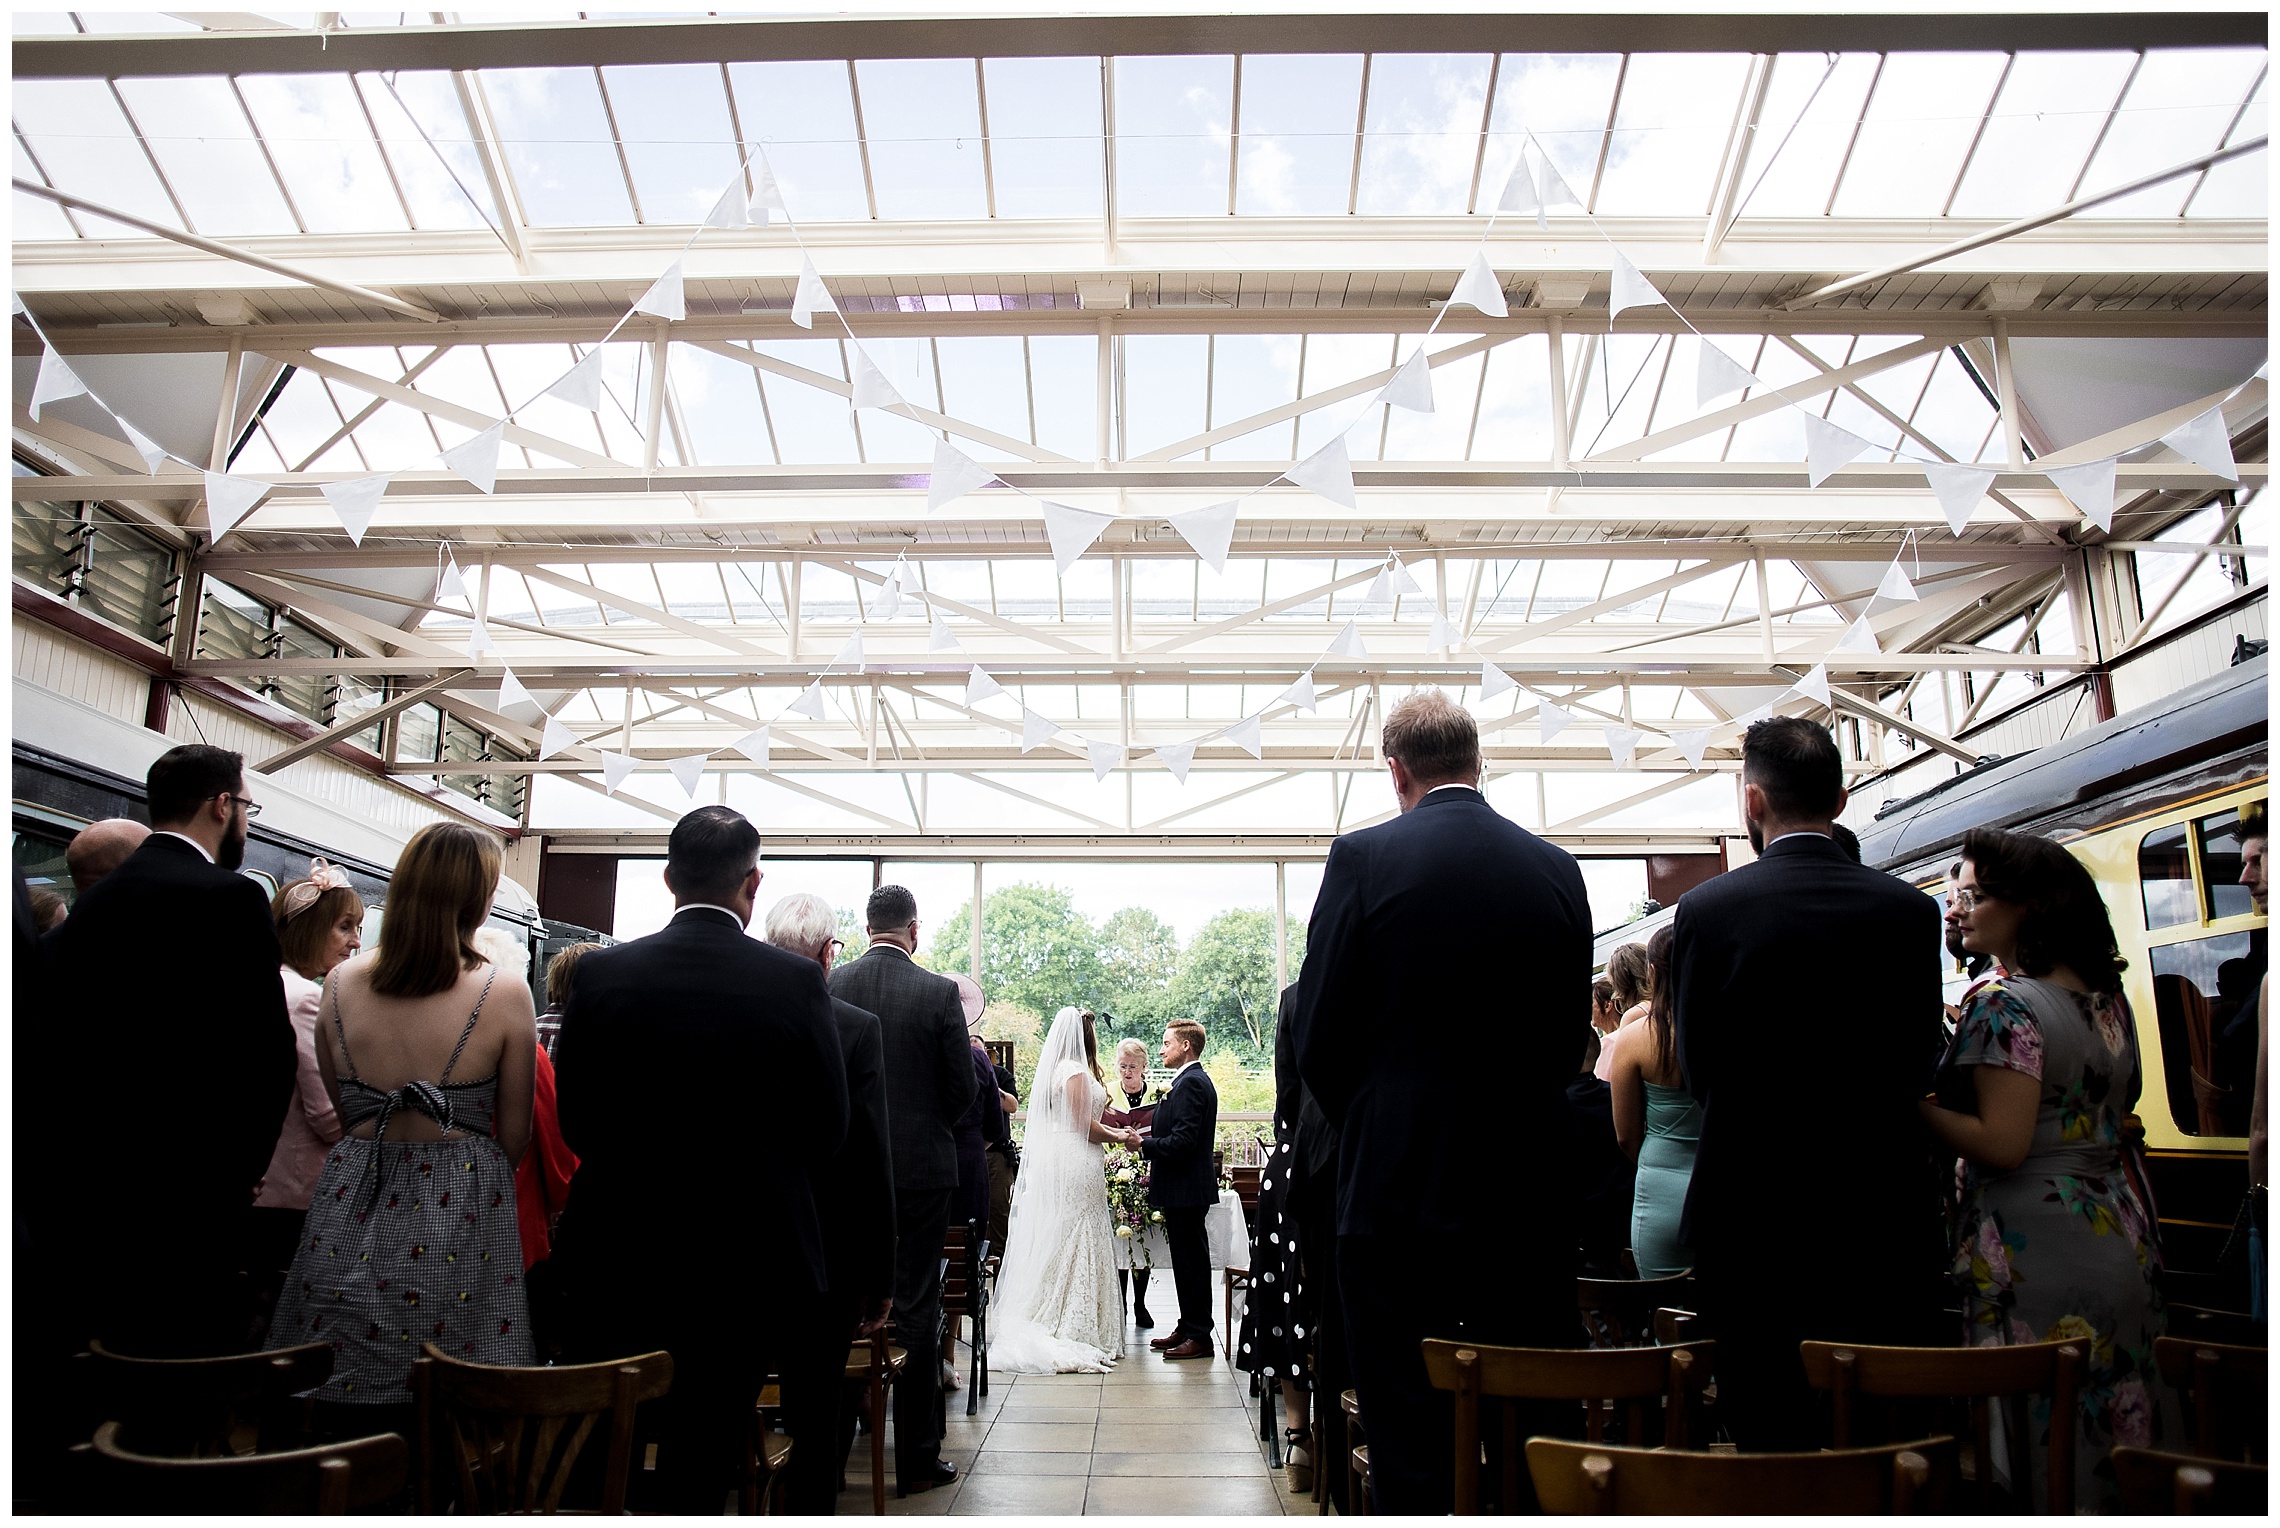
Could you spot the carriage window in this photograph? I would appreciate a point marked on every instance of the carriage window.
(2165, 870)
(2204, 993)
(2223, 893)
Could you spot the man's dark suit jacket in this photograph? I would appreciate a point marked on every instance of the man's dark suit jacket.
(699, 1081)
(1179, 1147)
(1807, 999)
(1441, 1009)
(856, 1193)
(930, 1068)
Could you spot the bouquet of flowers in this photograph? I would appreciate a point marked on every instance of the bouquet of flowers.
(1128, 1208)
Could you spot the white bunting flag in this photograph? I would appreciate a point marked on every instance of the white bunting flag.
(230, 499)
(511, 691)
(810, 297)
(1716, 374)
(1348, 643)
(1859, 637)
(1328, 473)
(665, 298)
(767, 196)
(1381, 589)
(56, 381)
(689, 769)
(581, 385)
(1479, 288)
(1959, 490)
(1551, 186)
(356, 501)
(1693, 745)
(477, 460)
(2089, 488)
(1814, 686)
(887, 603)
(1895, 585)
(871, 389)
(1622, 744)
(1300, 693)
(450, 584)
(939, 637)
(2205, 441)
(615, 767)
(809, 702)
(728, 212)
(1245, 735)
(1036, 729)
(1177, 757)
(1628, 289)
(980, 686)
(479, 639)
(1552, 720)
(554, 737)
(754, 746)
(1494, 682)
(1208, 531)
(1412, 386)
(1072, 532)
(1444, 632)
(1827, 448)
(954, 476)
(1104, 757)
(1520, 193)
(850, 652)
(151, 452)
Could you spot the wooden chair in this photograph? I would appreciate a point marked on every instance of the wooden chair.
(1620, 1313)
(329, 1481)
(1676, 1327)
(764, 1465)
(1647, 1379)
(1898, 1479)
(2201, 1323)
(1851, 1371)
(1245, 1182)
(966, 1295)
(204, 1408)
(877, 1365)
(2223, 1390)
(1357, 1457)
(513, 1435)
(2155, 1484)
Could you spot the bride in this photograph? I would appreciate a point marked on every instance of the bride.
(1057, 1309)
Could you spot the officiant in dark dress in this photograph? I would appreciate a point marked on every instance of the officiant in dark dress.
(1183, 1185)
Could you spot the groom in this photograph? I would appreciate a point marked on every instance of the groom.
(1183, 1185)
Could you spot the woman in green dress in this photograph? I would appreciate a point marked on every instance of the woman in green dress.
(2055, 1235)
(1657, 1121)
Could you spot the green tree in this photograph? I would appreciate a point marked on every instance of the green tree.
(1038, 951)
(1139, 956)
(1226, 981)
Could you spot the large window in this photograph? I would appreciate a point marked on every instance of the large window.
(98, 561)
(2204, 988)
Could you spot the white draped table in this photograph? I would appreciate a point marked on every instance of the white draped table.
(1223, 1231)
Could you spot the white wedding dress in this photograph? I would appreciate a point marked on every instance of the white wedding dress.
(1056, 1310)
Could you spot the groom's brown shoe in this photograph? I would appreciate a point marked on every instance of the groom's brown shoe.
(1170, 1340)
(1191, 1348)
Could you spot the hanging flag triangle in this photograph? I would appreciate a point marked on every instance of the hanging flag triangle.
(1300, 693)
(887, 603)
(1479, 288)
(1444, 632)
(356, 501)
(871, 388)
(1104, 757)
(689, 769)
(1328, 473)
(2205, 441)
(615, 767)
(1380, 590)
(479, 639)
(767, 196)
(850, 652)
(1245, 735)
(1404, 582)
(1622, 744)
(1551, 186)
(810, 297)
(229, 500)
(980, 686)
(1895, 585)
(1494, 682)
(151, 452)
(449, 584)
(939, 637)
(1693, 744)
(1177, 757)
(581, 385)
(1036, 729)
(1959, 490)
(1827, 448)
(2089, 488)
(1859, 637)
(56, 381)
(1348, 644)
(754, 746)
(1552, 720)
(1520, 192)
(1412, 386)
(1628, 289)
(665, 298)
(477, 459)
(511, 691)
(1072, 531)
(1717, 374)
(1208, 531)
(809, 702)
(954, 476)
(554, 737)
(1814, 686)
(728, 212)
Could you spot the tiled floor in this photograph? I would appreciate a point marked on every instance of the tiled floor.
(1152, 1438)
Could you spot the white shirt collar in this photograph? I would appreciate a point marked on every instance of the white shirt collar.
(1183, 1067)
(1800, 833)
(710, 907)
(204, 853)
(1453, 785)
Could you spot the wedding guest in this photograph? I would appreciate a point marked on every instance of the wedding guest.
(2254, 840)
(543, 1176)
(701, 1084)
(1419, 1137)
(1846, 840)
(100, 848)
(855, 1197)
(1182, 1184)
(980, 1127)
(930, 1080)
(171, 963)
(1803, 918)
(558, 972)
(48, 910)
(2054, 1239)
(1280, 1311)
(426, 1047)
(1004, 1161)
(1631, 977)
(1604, 1014)
(1603, 1168)
(1129, 1109)
(1658, 1123)
(320, 923)
(1314, 1202)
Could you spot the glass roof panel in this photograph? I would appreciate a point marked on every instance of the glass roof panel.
(318, 135)
(2178, 107)
(557, 142)
(425, 135)
(1044, 116)
(1619, 390)
(1565, 100)
(2238, 187)
(1422, 135)
(1671, 127)
(1440, 436)
(1515, 400)
(1297, 149)
(679, 146)
(985, 382)
(1173, 117)
(1164, 389)
(1954, 412)
(36, 217)
(1920, 123)
(1331, 361)
(811, 424)
(805, 115)
(922, 121)
(396, 436)
(88, 147)
(40, 24)
(206, 149)
(1250, 374)
(1063, 381)
(1793, 159)
(2040, 132)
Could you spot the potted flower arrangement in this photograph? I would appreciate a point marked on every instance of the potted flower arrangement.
(1128, 1207)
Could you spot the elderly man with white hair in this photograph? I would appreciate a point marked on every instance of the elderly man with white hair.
(855, 1200)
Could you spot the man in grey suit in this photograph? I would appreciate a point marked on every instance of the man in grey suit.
(930, 1080)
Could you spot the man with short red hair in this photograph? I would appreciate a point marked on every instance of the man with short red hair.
(1183, 1185)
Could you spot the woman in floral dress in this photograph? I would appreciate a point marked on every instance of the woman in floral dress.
(2055, 1231)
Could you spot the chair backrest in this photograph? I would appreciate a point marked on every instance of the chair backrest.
(1245, 1181)
(198, 1408)
(332, 1480)
(2201, 1323)
(2223, 1390)
(1645, 1380)
(1621, 1312)
(1001, 1053)
(1898, 1479)
(1673, 1327)
(512, 1436)
(2158, 1484)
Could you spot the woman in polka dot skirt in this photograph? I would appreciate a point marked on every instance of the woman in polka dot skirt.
(1278, 1315)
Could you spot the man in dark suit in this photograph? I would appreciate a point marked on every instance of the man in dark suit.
(930, 1080)
(1806, 990)
(1182, 1184)
(1452, 918)
(699, 1080)
(169, 970)
(855, 1198)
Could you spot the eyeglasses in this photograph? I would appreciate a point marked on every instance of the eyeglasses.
(1966, 901)
(252, 807)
